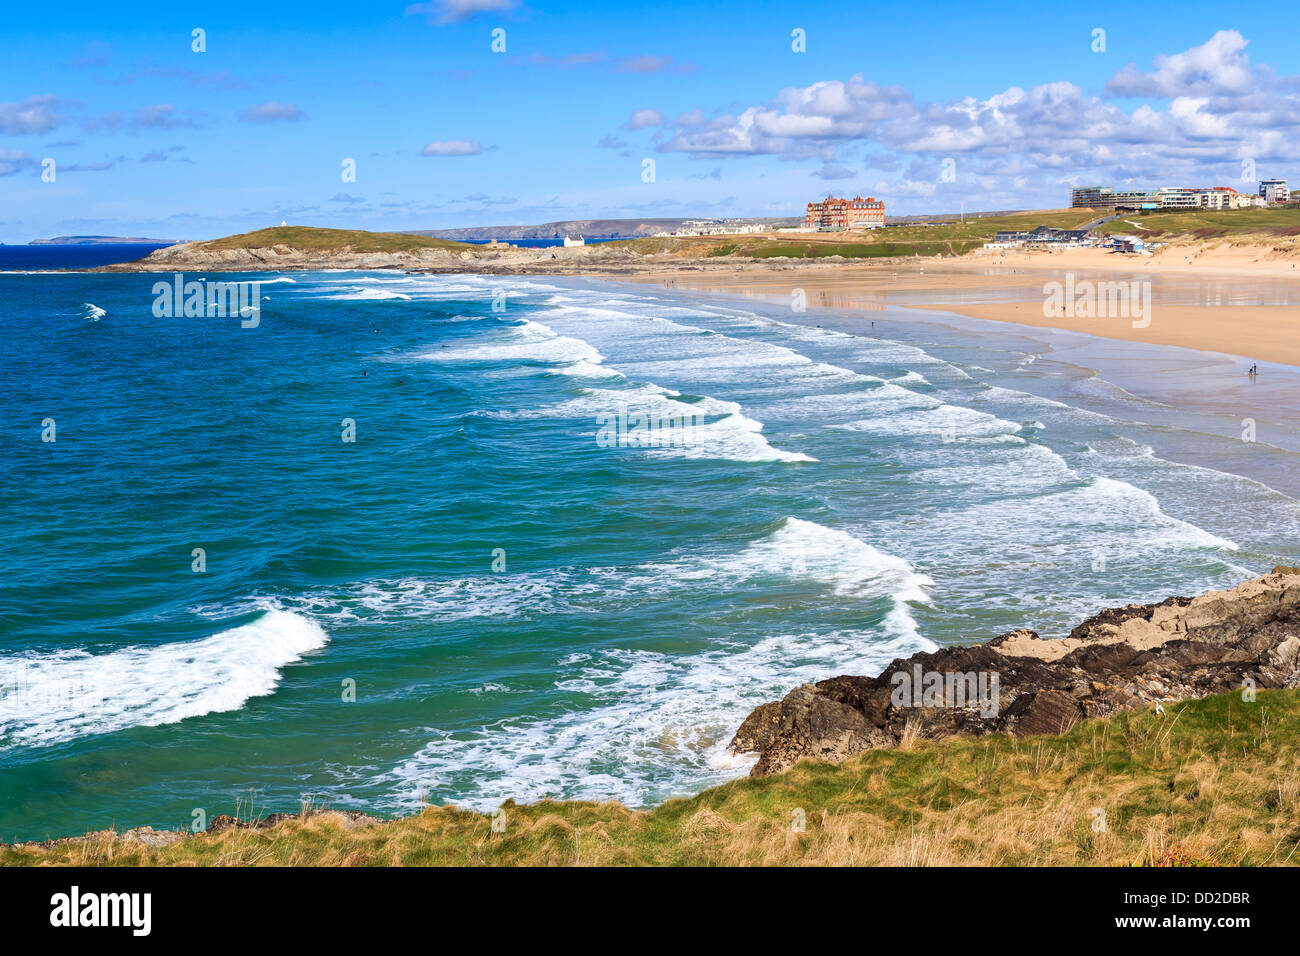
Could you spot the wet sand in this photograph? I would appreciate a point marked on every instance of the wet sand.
(1185, 373)
(1244, 304)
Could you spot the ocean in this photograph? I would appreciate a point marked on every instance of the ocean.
(75, 255)
(438, 539)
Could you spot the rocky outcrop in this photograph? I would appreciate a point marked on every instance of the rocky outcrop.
(482, 259)
(1018, 683)
(195, 256)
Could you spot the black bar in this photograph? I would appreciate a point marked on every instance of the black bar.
(336, 906)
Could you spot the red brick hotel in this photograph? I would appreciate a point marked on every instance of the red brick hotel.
(857, 213)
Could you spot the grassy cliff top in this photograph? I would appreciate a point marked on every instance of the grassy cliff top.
(1209, 224)
(312, 239)
(1210, 782)
(952, 237)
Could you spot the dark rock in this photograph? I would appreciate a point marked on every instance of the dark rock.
(1018, 683)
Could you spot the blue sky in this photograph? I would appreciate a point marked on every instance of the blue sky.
(929, 105)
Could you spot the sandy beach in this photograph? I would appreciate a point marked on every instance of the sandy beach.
(1237, 300)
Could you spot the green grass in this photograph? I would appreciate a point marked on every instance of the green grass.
(853, 250)
(311, 239)
(939, 239)
(1213, 781)
(1208, 224)
(955, 237)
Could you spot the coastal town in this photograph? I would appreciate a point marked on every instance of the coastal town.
(1271, 192)
(833, 214)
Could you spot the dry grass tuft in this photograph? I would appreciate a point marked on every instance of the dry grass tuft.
(1214, 782)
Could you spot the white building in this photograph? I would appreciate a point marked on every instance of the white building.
(1273, 190)
(574, 241)
(1168, 197)
(712, 227)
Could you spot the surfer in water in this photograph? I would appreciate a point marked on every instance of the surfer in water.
(1253, 370)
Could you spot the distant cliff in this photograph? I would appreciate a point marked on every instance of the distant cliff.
(591, 228)
(93, 240)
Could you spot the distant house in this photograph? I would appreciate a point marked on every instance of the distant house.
(714, 227)
(834, 215)
(1273, 191)
(1173, 197)
(574, 241)
(1044, 237)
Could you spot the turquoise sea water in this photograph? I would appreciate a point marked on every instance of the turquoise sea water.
(523, 609)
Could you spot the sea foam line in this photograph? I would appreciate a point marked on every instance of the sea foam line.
(650, 724)
(54, 697)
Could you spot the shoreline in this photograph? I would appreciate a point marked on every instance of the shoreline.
(1202, 310)
(1194, 391)
(1213, 296)
(1269, 329)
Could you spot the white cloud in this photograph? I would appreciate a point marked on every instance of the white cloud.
(643, 118)
(161, 116)
(906, 187)
(652, 64)
(36, 114)
(1210, 108)
(453, 147)
(834, 171)
(15, 161)
(272, 112)
(455, 11)
(1220, 65)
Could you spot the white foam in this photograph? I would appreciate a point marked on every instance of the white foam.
(955, 422)
(805, 549)
(796, 550)
(59, 696)
(645, 726)
(461, 287)
(1122, 502)
(733, 438)
(641, 725)
(367, 295)
(586, 369)
(507, 596)
(1095, 387)
(1016, 467)
(911, 378)
(1066, 525)
(527, 341)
